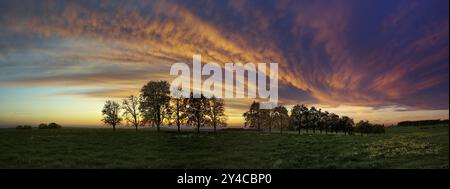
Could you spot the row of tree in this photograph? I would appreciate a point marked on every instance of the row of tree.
(308, 119)
(154, 107)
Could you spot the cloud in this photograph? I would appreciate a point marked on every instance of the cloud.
(109, 93)
(374, 54)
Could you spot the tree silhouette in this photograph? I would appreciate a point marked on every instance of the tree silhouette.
(363, 126)
(297, 115)
(154, 100)
(217, 112)
(42, 126)
(267, 116)
(366, 127)
(324, 121)
(307, 120)
(131, 113)
(347, 124)
(54, 126)
(334, 122)
(377, 128)
(110, 113)
(281, 114)
(253, 116)
(319, 121)
(178, 109)
(197, 111)
(313, 118)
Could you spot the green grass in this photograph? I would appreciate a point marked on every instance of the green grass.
(400, 147)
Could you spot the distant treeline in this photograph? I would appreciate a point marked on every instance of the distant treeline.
(422, 122)
(40, 126)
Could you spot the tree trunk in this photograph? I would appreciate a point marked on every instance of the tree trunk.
(135, 122)
(178, 122)
(270, 124)
(299, 127)
(114, 128)
(198, 126)
(281, 126)
(258, 124)
(178, 115)
(158, 121)
(214, 127)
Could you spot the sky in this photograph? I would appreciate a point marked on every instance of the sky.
(384, 61)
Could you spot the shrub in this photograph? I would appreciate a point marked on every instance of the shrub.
(49, 126)
(42, 126)
(54, 126)
(24, 127)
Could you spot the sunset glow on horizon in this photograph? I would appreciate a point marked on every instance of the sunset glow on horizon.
(382, 61)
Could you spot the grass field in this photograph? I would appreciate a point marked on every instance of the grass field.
(400, 147)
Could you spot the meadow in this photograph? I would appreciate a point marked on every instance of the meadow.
(400, 147)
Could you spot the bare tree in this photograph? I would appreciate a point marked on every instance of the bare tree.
(110, 113)
(131, 113)
(154, 100)
(217, 112)
(178, 109)
(197, 110)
